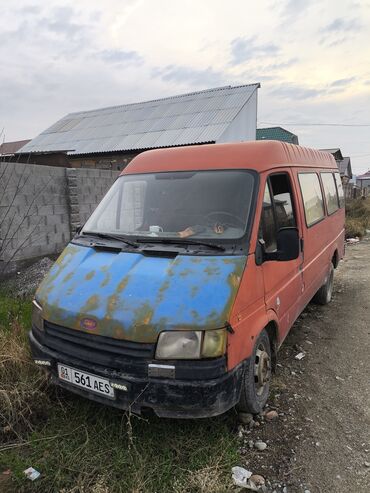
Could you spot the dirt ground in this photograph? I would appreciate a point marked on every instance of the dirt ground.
(320, 442)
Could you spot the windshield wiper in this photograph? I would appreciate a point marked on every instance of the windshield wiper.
(173, 241)
(109, 236)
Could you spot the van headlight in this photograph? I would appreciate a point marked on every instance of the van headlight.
(37, 320)
(191, 344)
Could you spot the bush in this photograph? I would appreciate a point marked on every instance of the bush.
(357, 217)
(23, 400)
(354, 227)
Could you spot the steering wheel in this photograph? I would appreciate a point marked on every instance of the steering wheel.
(236, 219)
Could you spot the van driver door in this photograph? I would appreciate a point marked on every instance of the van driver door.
(283, 280)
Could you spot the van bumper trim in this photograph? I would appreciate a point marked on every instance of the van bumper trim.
(168, 398)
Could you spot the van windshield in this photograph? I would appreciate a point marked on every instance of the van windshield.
(198, 204)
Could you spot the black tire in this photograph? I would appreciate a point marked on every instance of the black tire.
(324, 294)
(256, 377)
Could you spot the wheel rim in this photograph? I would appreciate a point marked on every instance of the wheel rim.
(262, 369)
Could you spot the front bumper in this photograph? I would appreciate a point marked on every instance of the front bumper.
(169, 398)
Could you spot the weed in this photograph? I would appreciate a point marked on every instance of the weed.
(22, 396)
(82, 447)
(357, 217)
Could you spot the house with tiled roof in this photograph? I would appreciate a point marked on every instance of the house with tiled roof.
(343, 162)
(363, 181)
(277, 133)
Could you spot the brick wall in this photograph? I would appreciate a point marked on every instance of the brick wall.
(40, 207)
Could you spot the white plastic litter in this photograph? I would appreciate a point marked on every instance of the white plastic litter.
(31, 473)
(300, 356)
(351, 241)
(240, 476)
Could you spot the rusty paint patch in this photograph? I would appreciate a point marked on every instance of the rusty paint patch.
(122, 285)
(212, 271)
(112, 304)
(68, 277)
(234, 280)
(90, 275)
(106, 280)
(143, 315)
(91, 304)
(162, 290)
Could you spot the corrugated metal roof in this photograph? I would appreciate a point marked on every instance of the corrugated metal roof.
(194, 118)
(7, 148)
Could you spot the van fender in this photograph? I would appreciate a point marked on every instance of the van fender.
(246, 331)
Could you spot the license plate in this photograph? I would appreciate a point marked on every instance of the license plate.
(87, 381)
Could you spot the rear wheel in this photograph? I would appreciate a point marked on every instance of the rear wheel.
(256, 377)
(324, 294)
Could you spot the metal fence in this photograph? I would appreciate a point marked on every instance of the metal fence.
(352, 191)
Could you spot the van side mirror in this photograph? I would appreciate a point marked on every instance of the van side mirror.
(287, 241)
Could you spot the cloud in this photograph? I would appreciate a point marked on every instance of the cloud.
(281, 65)
(341, 25)
(293, 10)
(29, 9)
(294, 7)
(244, 49)
(182, 74)
(342, 82)
(340, 31)
(294, 92)
(62, 22)
(119, 56)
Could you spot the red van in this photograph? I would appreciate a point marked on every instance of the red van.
(180, 288)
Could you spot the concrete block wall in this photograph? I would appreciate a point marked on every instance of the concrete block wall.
(86, 189)
(40, 207)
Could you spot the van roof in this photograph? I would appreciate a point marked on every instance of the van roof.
(257, 155)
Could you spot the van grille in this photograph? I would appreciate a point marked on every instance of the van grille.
(112, 353)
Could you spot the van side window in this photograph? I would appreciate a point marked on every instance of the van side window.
(330, 191)
(278, 211)
(312, 197)
(267, 230)
(282, 197)
(338, 181)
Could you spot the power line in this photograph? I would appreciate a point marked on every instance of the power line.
(360, 155)
(320, 124)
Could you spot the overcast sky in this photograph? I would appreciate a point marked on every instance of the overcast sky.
(311, 57)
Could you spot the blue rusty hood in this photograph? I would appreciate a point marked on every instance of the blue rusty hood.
(134, 297)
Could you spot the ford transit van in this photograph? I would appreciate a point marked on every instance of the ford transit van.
(178, 291)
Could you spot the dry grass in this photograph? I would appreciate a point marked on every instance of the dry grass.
(81, 447)
(205, 480)
(22, 386)
(357, 217)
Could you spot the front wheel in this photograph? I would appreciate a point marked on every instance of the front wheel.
(256, 377)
